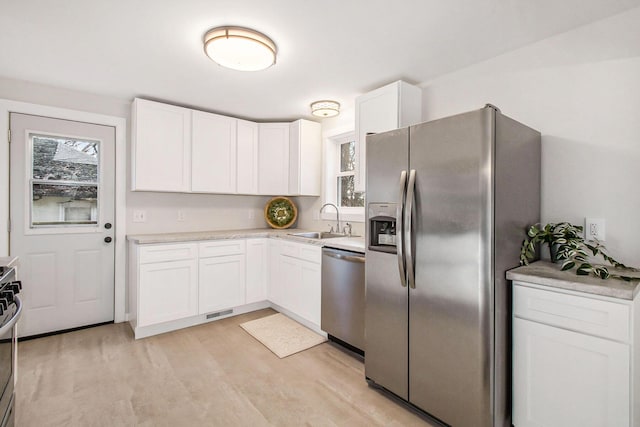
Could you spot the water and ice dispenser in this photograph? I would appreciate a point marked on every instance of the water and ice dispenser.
(382, 227)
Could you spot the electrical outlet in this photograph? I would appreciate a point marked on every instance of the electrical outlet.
(594, 229)
(181, 215)
(251, 214)
(139, 216)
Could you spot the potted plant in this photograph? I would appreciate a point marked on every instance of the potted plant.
(567, 246)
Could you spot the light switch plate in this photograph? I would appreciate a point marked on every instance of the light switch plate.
(594, 229)
(139, 216)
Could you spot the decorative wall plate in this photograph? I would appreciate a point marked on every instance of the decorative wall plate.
(280, 212)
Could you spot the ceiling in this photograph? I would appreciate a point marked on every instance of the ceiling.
(334, 49)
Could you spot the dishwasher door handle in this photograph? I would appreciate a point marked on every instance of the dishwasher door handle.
(351, 258)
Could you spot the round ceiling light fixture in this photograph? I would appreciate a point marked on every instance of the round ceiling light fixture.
(325, 108)
(240, 48)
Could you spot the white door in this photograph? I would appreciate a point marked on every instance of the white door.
(62, 221)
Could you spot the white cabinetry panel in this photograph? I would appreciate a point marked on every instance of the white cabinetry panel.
(305, 158)
(273, 158)
(393, 106)
(566, 379)
(574, 358)
(299, 284)
(213, 159)
(595, 317)
(161, 147)
(257, 270)
(221, 283)
(167, 291)
(247, 165)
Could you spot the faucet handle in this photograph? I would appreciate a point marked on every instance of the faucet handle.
(330, 228)
(347, 229)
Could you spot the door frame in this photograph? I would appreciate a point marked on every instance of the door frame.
(120, 125)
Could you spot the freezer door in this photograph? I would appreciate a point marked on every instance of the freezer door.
(386, 311)
(450, 309)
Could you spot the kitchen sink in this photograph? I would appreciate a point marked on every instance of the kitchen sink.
(318, 235)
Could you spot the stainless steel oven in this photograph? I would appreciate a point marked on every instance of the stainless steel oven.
(10, 310)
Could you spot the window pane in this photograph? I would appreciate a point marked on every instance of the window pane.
(60, 204)
(63, 159)
(347, 196)
(64, 181)
(347, 156)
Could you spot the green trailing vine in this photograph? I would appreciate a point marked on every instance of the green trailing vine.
(567, 246)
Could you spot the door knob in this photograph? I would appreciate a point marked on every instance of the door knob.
(108, 239)
(107, 225)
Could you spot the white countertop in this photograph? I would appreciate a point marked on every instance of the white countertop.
(355, 244)
(549, 274)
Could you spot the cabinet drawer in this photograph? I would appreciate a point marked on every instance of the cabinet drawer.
(221, 248)
(588, 315)
(302, 251)
(161, 253)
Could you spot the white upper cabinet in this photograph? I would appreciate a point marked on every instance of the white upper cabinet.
(213, 153)
(247, 165)
(305, 158)
(273, 158)
(161, 147)
(393, 106)
(189, 151)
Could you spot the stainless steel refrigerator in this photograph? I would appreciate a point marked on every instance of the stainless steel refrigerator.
(448, 203)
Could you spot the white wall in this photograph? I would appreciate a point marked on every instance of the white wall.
(581, 90)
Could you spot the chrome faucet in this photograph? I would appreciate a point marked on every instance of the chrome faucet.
(337, 215)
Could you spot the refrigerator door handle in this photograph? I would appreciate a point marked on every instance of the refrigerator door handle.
(402, 192)
(408, 229)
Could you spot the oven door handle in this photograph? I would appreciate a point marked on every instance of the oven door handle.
(9, 325)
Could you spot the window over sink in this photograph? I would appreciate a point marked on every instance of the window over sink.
(341, 168)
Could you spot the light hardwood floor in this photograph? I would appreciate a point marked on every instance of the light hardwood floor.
(209, 375)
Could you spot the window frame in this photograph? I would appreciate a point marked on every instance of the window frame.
(71, 228)
(332, 172)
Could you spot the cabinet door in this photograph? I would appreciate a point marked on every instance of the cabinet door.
(273, 158)
(309, 291)
(222, 283)
(376, 112)
(167, 291)
(213, 153)
(305, 158)
(567, 379)
(274, 282)
(161, 147)
(290, 281)
(300, 281)
(256, 288)
(393, 106)
(247, 170)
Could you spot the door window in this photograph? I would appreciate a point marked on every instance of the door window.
(64, 181)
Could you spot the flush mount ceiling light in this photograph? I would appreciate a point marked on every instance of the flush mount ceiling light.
(325, 108)
(240, 48)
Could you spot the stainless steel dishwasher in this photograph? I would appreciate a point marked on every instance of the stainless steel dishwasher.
(343, 297)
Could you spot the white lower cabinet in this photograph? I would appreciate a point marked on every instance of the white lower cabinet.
(167, 289)
(221, 276)
(572, 360)
(300, 280)
(177, 285)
